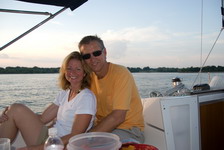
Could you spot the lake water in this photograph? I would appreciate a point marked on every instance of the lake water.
(38, 90)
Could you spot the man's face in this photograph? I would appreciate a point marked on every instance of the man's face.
(94, 55)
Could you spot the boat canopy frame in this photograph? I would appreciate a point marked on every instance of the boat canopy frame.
(72, 4)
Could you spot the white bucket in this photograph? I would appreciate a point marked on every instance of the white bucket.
(94, 141)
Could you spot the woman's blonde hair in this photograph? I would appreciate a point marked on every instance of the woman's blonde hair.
(63, 82)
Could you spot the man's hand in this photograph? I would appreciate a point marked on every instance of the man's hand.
(110, 122)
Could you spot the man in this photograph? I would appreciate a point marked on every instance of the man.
(119, 107)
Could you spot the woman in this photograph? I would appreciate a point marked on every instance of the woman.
(74, 108)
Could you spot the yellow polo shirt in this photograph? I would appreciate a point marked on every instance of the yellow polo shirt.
(118, 91)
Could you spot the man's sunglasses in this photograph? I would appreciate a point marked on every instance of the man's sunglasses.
(95, 54)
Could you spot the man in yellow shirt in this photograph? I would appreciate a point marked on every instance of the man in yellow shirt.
(119, 107)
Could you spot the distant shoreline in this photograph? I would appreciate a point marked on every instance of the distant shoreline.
(38, 70)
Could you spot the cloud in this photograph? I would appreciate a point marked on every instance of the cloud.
(134, 34)
(30, 62)
(117, 48)
(4, 56)
(133, 47)
(44, 61)
(152, 46)
(131, 40)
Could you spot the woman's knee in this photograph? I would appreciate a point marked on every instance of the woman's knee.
(17, 108)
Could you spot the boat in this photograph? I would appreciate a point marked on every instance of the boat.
(194, 121)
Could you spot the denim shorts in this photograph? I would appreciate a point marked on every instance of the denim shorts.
(134, 135)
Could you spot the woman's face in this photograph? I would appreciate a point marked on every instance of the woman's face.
(74, 72)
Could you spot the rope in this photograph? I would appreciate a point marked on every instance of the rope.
(201, 35)
(208, 56)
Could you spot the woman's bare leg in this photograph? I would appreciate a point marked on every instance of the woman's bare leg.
(23, 119)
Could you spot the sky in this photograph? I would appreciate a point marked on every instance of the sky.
(136, 33)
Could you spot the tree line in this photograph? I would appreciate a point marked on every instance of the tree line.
(27, 70)
(183, 70)
(30, 70)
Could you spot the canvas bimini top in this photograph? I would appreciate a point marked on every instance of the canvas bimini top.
(72, 4)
